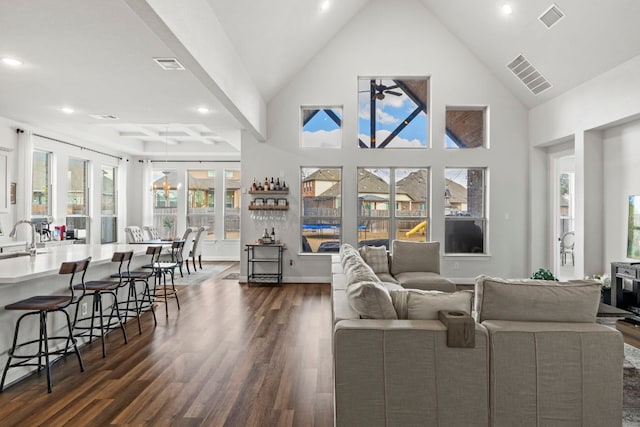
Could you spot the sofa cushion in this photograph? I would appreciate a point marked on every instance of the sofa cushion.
(415, 304)
(536, 300)
(386, 277)
(371, 300)
(376, 257)
(426, 281)
(415, 256)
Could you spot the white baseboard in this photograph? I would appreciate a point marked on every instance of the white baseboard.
(304, 279)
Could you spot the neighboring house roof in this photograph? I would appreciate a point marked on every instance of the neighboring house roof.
(323, 175)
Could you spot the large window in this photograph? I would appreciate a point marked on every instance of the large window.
(465, 210)
(409, 197)
(41, 184)
(321, 216)
(232, 204)
(466, 127)
(165, 202)
(321, 127)
(109, 205)
(78, 196)
(393, 113)
(200, 200)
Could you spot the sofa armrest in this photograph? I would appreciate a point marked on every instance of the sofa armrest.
(555, 371)
(401, 372)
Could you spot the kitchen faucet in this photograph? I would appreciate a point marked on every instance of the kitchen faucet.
(29, 246)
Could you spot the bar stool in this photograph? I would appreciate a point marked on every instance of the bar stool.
(161, 269)
(97, 289)
(131, 278)
(42, 305)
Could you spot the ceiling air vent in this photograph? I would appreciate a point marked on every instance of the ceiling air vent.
(104, 116)
(169, 64)
(551, 16)
(528, 75)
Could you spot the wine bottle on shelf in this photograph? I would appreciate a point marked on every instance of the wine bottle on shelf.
(272, 185)
(266, 184)
(273, 235)
(284, 186)
(278, 186)
(254, 186)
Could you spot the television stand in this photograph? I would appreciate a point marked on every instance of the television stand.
(620, 271)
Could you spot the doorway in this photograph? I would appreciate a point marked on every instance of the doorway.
(564, 217)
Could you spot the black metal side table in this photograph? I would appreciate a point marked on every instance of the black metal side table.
(264, 263)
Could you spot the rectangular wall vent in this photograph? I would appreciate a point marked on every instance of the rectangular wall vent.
(551, 16)
(169, 64)
(528, 75)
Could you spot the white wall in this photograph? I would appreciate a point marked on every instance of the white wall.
(621, 179)
(8, 141)
(604, 173)
(413, 43)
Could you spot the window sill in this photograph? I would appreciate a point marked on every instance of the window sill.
(469, 256)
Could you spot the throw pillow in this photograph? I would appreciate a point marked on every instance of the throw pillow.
(360, 272)
(371, 300)
(415, 304)
(376, 257)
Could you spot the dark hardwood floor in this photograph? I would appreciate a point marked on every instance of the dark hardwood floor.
(233, 356)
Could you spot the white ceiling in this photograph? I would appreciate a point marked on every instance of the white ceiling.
(96, 56)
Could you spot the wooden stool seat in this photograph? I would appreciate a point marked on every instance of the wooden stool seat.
(42, 306)
(41, 303)
(97, 289)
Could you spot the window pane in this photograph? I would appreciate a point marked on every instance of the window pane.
(411, 202)
(465, 220)
(109, 220)
(40, 203)
(394, 112)
(200, 200)
(373, 203)
(321, 215)
(321, 127)
(231, 204)
(108, 202)
(77, 194)
(109, 229)
(165, 202)
(465, 128)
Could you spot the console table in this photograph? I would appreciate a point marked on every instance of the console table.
(264, 263)
(625, 270)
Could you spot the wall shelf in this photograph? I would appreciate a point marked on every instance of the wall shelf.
(269, 192)
(268, 208)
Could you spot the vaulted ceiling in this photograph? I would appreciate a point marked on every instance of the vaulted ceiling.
(97, 57)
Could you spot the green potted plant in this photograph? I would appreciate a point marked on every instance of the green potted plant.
(543, 274)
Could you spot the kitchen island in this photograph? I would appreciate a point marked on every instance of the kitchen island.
(22, 277)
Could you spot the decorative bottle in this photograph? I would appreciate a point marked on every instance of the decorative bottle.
(273, 235)
(272, 185)
(266, 184)
(278, 186)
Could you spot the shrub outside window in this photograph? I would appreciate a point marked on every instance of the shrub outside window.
(109, 205)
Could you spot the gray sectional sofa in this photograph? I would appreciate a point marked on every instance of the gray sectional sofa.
(414, 265)
(538, 359)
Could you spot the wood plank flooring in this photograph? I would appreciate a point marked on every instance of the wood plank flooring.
(233, 356)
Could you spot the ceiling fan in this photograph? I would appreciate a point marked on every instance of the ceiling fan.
(382, 90)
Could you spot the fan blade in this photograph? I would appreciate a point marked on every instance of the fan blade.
(392, 87)
(393, 92)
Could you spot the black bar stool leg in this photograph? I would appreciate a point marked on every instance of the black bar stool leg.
(45, 337)
(74, 341)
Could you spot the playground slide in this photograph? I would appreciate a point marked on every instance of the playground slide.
(420, 227)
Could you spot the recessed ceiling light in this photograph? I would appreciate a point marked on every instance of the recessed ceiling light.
(324, 5)
(12, 62)
(67, 110)
(507, 9)
(203, 110)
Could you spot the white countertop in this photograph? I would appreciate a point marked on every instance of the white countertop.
(48, 260)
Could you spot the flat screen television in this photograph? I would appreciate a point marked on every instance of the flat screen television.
(633, 229)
